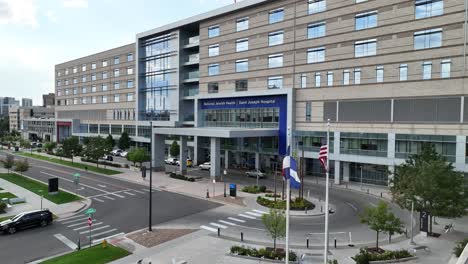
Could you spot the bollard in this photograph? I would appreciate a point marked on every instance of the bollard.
(104, 243)
(219, 232)
(207, 193)
(381, 195)
(307, 243)
(346, 185)
(242, 237)
(335, 242)
(79, 245)
(367, 191)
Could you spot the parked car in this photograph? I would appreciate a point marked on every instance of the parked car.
(108, 157)
(205, 166)
(189, 163)
(39, 145)
(256, 173)
(27, 220)
(116, 152)
(171, 161)
(124, 154)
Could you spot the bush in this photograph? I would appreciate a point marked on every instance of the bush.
(267, 253)
(106, 163)
(297, 204)
(181, 177)
(254, 189)
(458, 249)
(39, 150)
(272, 195)
(2, 207)
(364, 256)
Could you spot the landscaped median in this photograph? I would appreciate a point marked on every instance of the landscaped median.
(96, 255)
(39, 188)
(70, 164)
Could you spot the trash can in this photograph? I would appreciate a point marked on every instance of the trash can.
(16, 148)
(232, 190)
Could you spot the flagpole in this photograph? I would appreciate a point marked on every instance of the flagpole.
(288, 198)
(325, 253)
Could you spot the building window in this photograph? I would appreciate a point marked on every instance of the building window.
(303, 80)
(317, 6)
(318, 79)
(275, 82)
(366, 20)
(75, 80)
(116, 98)
(83, 79)
(275, 38)
(428, 39)
(59, 83)
(130, 57)
(104, 99)
(213, 31)
(360, 1)
(84, 90)
(427, 70)
(316, 30)
(67, 82)
(116, 73)
(242, 65)
(445, 68)
(93, 77)
(242, 24)
(316, 55)
(93, 88)
(75, 91)
(242, 85)
(428, 8)
(93, 66)
(84, 100)
(129, 97)
(104, 75)
(75, 101)
(213, 69)
(365, 48)
(275, 61)
(59, 92)
(116, 85)
(357, 76)
(276, 16)
(66, 71)
(380, 74)
(308, 111)
(75, 69)
(330, 78)
(129, 71)
(93, 99)
(83, 67)
(213, 50)
(213, 87)
(116, 60)
(130, 84)
(242, 45)
(104, 87)
(403, 72)
(59, 73)
(346, 77)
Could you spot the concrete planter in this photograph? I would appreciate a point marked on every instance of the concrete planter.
(391, 260)
(260, 260)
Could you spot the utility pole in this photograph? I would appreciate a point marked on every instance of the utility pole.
(150, 224)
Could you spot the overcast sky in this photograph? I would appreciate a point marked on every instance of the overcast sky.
(37, 34)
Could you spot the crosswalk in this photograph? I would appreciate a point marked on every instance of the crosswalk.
(112, 196)
(233, 221)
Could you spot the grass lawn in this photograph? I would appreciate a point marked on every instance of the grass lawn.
(70, 164)
(39, 188)
(7, 195)
(95, 255)
(3, 218)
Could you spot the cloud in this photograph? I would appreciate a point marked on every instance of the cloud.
(18, 12)
(52, 16)
(75, 3)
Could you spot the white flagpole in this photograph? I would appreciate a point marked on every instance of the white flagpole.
(325, 253)
(287, 219)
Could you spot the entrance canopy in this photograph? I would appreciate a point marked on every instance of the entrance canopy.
(218, 132)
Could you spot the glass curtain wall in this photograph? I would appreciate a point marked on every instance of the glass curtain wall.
(248, 117)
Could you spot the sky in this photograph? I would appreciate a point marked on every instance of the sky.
(35, 35)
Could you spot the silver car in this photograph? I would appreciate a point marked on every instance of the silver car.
(255, 174)
(205, 166)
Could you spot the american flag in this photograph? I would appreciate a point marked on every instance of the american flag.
(323, 155)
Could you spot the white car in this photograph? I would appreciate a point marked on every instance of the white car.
(255, 174)
(116, 152)
(124, 154)
(171, 161)
(205, 166)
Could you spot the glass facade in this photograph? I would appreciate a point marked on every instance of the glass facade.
(312, 141)
(365, 144)
(368, 173)
(248, 117)
(406, 145)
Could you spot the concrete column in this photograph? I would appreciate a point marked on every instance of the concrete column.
(336, 144)
(257, 160)
(183, 155)
(226, 159)
(391, 146)
(238, 158)
(391, 174)
(337, 172)
(345, 171)
(189, 153)
(157, 149)
(215, 147)
(460, 153)
(196, 151)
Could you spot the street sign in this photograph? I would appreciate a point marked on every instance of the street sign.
(90, 211)
(90, 221)
(53, 185)
(424, 221)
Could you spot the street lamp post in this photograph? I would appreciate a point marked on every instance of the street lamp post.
(361, 176)
(42, 197)
(411, 223)
(150, 228)
(224, 181)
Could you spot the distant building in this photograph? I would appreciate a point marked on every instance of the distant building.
(5, 103)
(48, 99)
(25, 102)
(18, 115)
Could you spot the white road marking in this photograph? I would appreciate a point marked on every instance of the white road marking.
(138, 191)
(254, 214)
(99, 200)
(235, 219)
(259, 211)
(247, 216)
(108, 237)
(132, 194)
(209, 228)
(352, 206)
(218, 225)
(102, 185)
(83, 227)
(66, 241)
(82, 223)
(107, 197)
(91, 187)
(102, 233)
(118, 195)
(69, 218)
(226, 222)
(94, 229)
(75, 220)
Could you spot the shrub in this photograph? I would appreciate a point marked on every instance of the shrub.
(39, 150)
(2, 207)
(297, 204)
(181, 177)
(459, 247)
(267, 253)
(107, 163)
(364, 256)
(272, 195)
(254, 189)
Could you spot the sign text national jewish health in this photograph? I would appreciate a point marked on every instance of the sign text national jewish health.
(239, 103)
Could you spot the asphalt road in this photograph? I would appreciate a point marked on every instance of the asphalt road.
(121, 207)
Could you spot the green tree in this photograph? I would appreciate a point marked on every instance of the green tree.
(4, 126)
(22, 166)
(49, 147)
(124, 141)
(139, 155)
(174, 149)
(432, 183)
(381, 220)
(275, 224)
(8, 162)
(24, 143)
(15, 133)
(72, 147)
(96, 148)
(110, 141)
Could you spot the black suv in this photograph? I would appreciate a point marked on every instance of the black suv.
(26, 220)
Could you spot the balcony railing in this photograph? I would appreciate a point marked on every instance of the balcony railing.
(193, 40)
(363, 152)
(240, 124)
(192, 75)
(191, 92)
(193, 58)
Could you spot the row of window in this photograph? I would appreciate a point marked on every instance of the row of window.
(93, 89)
(273, 82)
(104, 63)
(93, 99)
(104, 75)
(423, 9)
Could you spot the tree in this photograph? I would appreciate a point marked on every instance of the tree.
(72, 147)
(24, 143)
(49, 147)
(138, 155)
(96, 148)
(393, 226)
(174, 150)
(381, 220)
(15, 133)
(4, 126)
(275, 224)
(124, 141)
(432, 183)
(22, 166)
(8, 162)
(110, 141)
